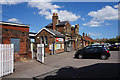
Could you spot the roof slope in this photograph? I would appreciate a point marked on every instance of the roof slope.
(62, 23)
(53, 32)
(14, 24)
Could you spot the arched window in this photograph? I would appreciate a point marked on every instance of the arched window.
(46, 40)
(42, 41)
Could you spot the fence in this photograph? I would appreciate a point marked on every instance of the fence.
(6, 59)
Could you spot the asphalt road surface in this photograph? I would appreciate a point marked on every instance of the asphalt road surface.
(71, 68)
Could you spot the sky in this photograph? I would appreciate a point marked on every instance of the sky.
(97, 19)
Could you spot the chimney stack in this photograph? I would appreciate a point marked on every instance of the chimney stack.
(83, 34)
(77, 29)
(54, 20)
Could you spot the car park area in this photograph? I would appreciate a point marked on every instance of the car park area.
(65, 64)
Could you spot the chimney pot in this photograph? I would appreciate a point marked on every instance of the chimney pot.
(83, 34)
(53, 13)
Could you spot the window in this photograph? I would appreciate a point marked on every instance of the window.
(98, 49)
(58, 46)
(89, 49)
(46, 41)
(32, 40)
(42, 40)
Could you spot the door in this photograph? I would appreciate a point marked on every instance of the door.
(97, 51)
(40, 52)
(89, 52)
(16, 42)
(69, 46)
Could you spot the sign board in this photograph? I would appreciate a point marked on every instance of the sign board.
(59, 39)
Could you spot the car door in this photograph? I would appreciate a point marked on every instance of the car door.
(89, 52)
(97, 51)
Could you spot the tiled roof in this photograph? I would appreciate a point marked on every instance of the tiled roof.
(62, 23)
(53, 32)
(59, 24)
(57, 34)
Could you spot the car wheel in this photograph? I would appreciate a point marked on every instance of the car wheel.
(80, 56)
(103, 57)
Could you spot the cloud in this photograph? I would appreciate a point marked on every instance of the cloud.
(13, 20)
(116, 6)
(93, 23)
(81, 28)
(12, 2)
(106, 13)
(83, 19)
(34, 12)
(94, 34)
(99, 16)
(107, 24)
(43, 5)
(46, 8)
(65, 15)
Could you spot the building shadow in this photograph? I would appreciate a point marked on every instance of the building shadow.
(93, 72)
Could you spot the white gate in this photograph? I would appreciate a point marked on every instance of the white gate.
(6, 59)
(40, 52)
(53, 48)
(32, 50)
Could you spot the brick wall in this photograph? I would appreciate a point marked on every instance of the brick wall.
(61, 29)
(51, 39)
(44, 33)
(73, 32)
(22, 33)
(68, 28)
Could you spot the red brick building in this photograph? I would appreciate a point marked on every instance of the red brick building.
(88, 39)
(17, 34)
(50, 37)
(72, 37)
(100, 41)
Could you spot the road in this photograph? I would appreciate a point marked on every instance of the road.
(64, 65)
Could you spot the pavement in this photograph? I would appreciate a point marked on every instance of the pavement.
(66, 63)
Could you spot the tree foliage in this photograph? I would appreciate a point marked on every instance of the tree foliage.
(113, 40)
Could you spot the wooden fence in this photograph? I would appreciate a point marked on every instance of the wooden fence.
(6, 59)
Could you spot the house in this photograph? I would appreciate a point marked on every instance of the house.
(53, 40)
(100, 41)
(76, 36)
(17, 34)
(88, 39)
(72, 37)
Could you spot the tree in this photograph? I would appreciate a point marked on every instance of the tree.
(111, 41)
(118, 39)
(92, 42)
